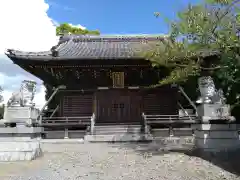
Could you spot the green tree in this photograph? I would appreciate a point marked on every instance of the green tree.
(67, 28)
(210, 27)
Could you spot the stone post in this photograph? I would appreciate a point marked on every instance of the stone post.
(66, 133)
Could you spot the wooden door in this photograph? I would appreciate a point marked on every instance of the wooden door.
(120, 108)
(116, 106)
(77, 105)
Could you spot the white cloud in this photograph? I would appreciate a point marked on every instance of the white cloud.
(26, 27)
(39, 99)
(78, 26)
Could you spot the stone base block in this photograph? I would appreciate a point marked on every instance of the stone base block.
(217, 134)
(20, 151)
(216, 137)
(20, 130)
(168, 143)
(214, 127)
(118, 138)
(20, 133)
(213, 110)
(182, 131)
(21, 115)
(160, 132)
(217, 144)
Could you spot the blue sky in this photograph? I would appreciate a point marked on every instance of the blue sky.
(38, 33)
(117, 17)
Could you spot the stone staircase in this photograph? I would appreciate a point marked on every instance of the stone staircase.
(117, 133)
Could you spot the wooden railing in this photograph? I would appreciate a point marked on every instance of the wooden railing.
(61, 121)
(168, 119)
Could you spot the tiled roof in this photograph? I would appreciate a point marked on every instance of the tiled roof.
(93, 47)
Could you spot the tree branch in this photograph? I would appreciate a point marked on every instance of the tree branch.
(224, 14)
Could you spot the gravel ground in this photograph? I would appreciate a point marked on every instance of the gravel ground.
(112, 162)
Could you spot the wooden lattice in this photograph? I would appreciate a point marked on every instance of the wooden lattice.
(118, 79)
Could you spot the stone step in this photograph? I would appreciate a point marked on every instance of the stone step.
(117, 126)
(61, 134)
(117, 129)
(165, 132)
(118, 138)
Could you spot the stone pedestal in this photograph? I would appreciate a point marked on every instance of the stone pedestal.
(209, 112)
(216, 137)
(20, 115)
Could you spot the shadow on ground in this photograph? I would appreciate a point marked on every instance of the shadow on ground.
(229, 161)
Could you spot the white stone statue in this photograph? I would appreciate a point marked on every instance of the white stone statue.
(219, 97)
(25, 95)
(207, 89)
(209, 94)
(212, 102)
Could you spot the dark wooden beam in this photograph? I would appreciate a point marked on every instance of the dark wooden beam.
(41, 75)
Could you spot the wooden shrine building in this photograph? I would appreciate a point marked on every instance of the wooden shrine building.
(102, 75)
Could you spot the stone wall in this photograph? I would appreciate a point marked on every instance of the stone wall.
(216, 137)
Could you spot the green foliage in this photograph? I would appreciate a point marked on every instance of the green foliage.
(211, 26)
(67, 28)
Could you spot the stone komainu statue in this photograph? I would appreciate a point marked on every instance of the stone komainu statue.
(208, 92)
(24, 96)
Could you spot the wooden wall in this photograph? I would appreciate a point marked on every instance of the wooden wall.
(120, 105)
(77, 105)
(160, 101)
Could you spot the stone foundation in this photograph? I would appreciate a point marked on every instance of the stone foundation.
(20, 143)
(216, 137)
(20, 150)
